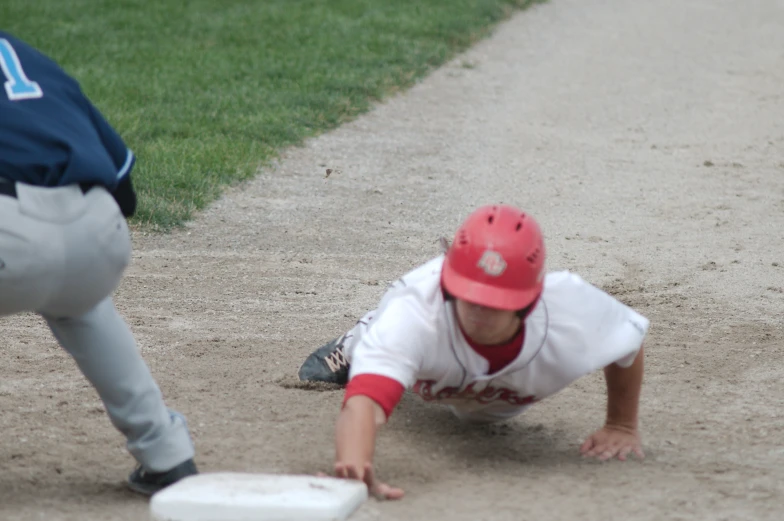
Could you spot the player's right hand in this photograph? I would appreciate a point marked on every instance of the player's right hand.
(365, 473)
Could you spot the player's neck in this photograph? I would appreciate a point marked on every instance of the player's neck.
(508, 338)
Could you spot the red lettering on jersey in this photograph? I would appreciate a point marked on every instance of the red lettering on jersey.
(424, 388)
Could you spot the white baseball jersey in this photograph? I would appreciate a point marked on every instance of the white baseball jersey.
(413, 338)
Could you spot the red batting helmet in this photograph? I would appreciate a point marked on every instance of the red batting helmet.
(496, 259)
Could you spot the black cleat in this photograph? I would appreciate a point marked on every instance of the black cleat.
(148, 483)
(327, 364)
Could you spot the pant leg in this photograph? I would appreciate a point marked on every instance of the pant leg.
(104, 349)
(28, 273)
(352, 337)
(488, 414)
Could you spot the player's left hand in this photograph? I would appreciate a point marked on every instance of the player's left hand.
(376, 488)
(612, 441)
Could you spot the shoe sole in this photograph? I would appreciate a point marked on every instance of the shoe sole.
(145, 490)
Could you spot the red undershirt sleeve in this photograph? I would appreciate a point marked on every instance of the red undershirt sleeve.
(386, 392)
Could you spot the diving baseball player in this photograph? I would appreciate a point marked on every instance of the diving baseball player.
(65, 190)
(486, 331)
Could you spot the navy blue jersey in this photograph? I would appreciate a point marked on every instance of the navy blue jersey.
(50, 133)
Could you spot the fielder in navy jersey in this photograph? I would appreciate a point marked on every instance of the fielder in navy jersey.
(65, 193)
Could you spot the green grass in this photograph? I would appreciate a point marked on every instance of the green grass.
(206, 91)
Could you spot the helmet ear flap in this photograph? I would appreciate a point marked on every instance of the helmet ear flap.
(448, 297)
(523, 313)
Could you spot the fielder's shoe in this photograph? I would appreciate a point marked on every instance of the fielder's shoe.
(328, 364)
(148, 483)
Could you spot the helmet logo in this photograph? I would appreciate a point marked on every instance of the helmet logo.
(492, 263)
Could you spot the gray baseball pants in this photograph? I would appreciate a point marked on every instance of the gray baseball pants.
(62, 254)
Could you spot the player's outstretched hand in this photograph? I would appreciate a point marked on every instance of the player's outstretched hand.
(375, 488)
(612, 441)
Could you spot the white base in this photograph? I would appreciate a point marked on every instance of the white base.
(231, 496)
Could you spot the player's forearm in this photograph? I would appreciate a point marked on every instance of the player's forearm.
(623, 392)
(355, 434)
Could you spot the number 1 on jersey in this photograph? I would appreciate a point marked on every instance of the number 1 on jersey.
(17, 85)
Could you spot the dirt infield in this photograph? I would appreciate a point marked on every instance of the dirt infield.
(648, 140)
